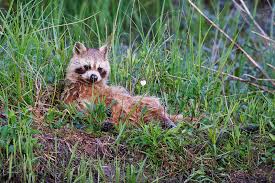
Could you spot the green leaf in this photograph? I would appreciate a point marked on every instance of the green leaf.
(272, 137)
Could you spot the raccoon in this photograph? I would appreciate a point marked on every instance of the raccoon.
(86, 78)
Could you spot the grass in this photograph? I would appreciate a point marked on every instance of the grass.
(168, 44)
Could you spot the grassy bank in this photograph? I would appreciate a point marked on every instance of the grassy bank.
(228, 134)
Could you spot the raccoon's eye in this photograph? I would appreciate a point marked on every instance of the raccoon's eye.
(100, 69)
(87, 67)
(80, 70)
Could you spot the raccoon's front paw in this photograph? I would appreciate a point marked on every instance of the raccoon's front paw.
(107, 126)
(169, 124)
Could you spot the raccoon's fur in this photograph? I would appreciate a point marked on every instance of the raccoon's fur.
(86, 78)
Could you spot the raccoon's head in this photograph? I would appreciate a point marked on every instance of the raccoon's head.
(88, 65)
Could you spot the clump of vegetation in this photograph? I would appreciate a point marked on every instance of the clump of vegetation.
(212, 62)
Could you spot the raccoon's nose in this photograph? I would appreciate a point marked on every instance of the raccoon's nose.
(93, 78)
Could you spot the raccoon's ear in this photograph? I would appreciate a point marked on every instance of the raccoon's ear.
(107, 46)
(79, 48)
(104, 50)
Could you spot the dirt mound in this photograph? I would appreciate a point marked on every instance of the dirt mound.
(67, 140)
(60, 148)
(260, 175)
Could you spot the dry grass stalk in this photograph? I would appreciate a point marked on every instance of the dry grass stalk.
(256, 64)
(240, 79)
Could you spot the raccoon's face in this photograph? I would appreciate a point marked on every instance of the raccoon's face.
(88, 65)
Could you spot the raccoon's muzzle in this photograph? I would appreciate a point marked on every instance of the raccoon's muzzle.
(93, 78)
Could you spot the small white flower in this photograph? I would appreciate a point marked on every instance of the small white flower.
(143, 82)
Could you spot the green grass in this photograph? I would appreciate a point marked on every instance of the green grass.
(168, 44)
